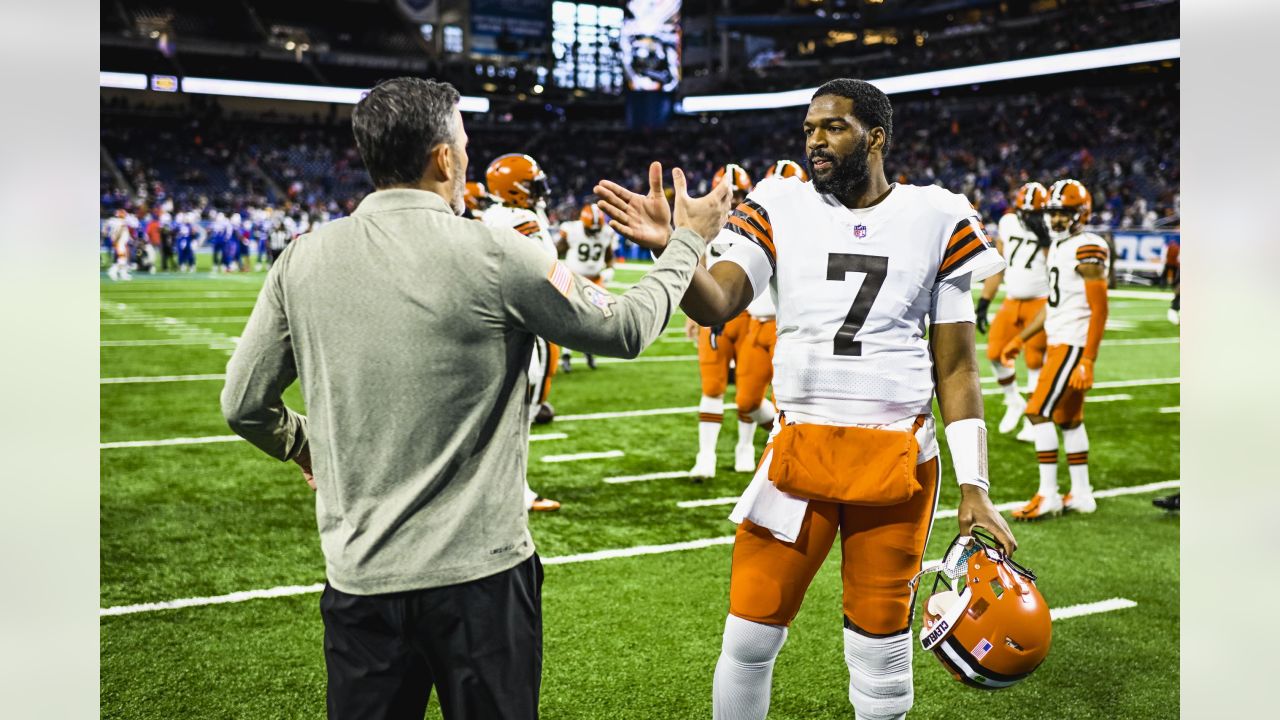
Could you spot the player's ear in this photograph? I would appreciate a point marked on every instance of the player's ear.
(875, 140)
(440, 164)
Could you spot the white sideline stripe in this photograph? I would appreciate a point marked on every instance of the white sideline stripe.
(233, 438)
(1109, 398)
(643, 359)
(1176, 409)
(196, 320)
(168, 441)
(1111, 384)
(287, 590)
(149, 343)
(1139, 295)
(160, 379)
(648, 476)
(1122, 343)
(1092, 608)
(110, 306)
(583, 456)
(950, 513)
(635, 413)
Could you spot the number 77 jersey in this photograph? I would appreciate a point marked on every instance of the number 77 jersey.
(855, 290)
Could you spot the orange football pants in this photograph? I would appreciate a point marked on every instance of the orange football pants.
(1013, 316)
(713, 362)
(553, 364)
(881, 549)
(1054, 397)
(755, 365)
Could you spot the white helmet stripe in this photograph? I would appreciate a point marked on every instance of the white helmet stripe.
(971, 673)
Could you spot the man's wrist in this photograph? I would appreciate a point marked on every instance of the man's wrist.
(967, 440)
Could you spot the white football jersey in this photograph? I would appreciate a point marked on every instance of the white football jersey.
(1027, 274)
(1066, 319)
(525, 222)
(853, 291)
(586, 255)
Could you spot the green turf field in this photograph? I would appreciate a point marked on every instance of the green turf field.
(627, 635)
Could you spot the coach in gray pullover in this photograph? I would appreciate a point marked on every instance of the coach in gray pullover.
(410, 329)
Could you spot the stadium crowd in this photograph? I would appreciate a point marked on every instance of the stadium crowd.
(983, 146)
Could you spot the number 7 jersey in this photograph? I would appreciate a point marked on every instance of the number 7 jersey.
(854, 288)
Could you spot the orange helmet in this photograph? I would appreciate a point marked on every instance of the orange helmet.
(994, 628)
(788, 168)
(477, 198)
(1030, 197)
(592, 218)
(1072, 196)
(741, 181)
(516, 179)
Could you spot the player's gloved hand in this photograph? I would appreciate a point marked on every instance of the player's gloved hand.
(981, 311)
(1010, 351)
(1082, 376)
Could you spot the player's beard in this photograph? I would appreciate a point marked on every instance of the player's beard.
(458, 203)
(848, 175)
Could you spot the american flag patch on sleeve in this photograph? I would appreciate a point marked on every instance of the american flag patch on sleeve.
(560, 278)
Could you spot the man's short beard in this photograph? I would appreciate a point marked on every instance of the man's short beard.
(849, 174)
(458, 203)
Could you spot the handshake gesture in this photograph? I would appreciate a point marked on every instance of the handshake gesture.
(646, 219)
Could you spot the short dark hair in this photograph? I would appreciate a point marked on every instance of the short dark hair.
(870, 105)
(398, 123)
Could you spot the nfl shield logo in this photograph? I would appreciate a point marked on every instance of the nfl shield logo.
(859, 231)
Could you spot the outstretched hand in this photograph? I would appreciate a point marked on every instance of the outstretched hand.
(643, 219)
(704, 215)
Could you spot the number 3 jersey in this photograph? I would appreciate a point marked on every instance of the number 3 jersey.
(1066, 320)
(854, 289)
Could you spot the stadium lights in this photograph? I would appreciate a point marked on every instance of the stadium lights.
(125, 81)
(269, 91)
(975, 74)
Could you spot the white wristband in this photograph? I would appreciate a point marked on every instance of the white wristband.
(967, 440)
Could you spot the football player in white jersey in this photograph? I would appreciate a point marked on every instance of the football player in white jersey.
(586, 244)
(1074, 321)
(118, 235)
(520, 187)
(1023, 240)
(861, 270)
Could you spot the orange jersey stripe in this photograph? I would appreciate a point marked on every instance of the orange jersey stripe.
(960, 253)
(764, 239)
(764, 223)
(528, 228)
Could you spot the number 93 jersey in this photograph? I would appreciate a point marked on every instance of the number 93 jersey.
(854, 288)
(586, 255)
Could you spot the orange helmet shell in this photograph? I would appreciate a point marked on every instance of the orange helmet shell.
(994, 628)
(741, 181)
(475, 193)
(1072, 196)
(592, 217)
(1030, 197)
(788, 168)
(516, 179)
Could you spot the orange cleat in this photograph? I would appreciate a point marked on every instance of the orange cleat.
(541, 504)
(1039, 507)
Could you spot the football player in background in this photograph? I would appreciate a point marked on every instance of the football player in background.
(119, 236)
(520, 189)
(1023, 240)
(787, 168)
(858, 266)
(1074, 320)
(184, 241)
(587, 247)
(477, 200)
(718, 346)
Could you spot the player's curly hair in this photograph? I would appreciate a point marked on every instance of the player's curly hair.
(870, 105)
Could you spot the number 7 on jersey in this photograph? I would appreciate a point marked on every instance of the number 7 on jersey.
(876, 268)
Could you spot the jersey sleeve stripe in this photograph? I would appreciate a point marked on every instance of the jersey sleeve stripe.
(761, 214)
(528, 228)
(750, 235)
(760, 238)
(959, 254)
(959, 262)
(764, 230)
(1093, 251)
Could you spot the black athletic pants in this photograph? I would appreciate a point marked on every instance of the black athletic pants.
(479, 644)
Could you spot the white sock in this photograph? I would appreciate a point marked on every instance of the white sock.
(710, 417)
(880, 686)
(1008, 383)
(764, 415)
(744, 672)
(746, 432)
(1047, 454)
(1076, 442)
(529, 495)
(1033, 379)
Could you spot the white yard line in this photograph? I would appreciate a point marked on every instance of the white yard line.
(547, 436)
(637, 551)
(179, 330)
(707, 503)
(574, 457)
(153, 343)
(168, 441)
(1092, 608)
(108, 305)
(1109, 385)
(648, 476)
(1108, 398)
(159, 379)
(636, 413)
(242, 319)
(1167, 410)
(648, 359)
(1140, 295)
(1122, 343)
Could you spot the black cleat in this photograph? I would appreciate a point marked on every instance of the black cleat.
(591, 361)
(1172, 503)
(546, 414)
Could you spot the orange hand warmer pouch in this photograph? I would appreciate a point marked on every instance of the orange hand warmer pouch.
(853, 465)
